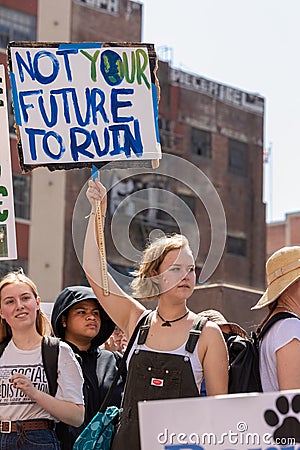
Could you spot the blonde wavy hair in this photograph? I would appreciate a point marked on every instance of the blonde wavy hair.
(43, 325)
(144, 284)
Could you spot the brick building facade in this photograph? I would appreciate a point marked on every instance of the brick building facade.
(217, 128)
(283, 233)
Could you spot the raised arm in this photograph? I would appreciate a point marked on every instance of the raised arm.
(122, 308)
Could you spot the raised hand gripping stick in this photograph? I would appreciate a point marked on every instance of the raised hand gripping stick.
(101, 247)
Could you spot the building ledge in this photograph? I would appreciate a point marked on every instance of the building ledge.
(229, 286)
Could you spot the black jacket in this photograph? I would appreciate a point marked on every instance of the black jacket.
(98, 366)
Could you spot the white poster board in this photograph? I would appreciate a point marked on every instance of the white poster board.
(8, 248)
(83, 103)
(269, 421)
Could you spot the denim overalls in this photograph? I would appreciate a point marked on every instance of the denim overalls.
(154, 376)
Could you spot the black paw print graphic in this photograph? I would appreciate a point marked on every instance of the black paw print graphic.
(290, 426)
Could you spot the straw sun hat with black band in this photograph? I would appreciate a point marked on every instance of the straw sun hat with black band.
(282, 269)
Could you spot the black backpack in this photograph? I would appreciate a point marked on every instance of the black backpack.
(50, 350)
(244, 359)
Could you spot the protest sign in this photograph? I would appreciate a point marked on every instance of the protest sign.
(80, 104)
(8, 248)
(268, 421)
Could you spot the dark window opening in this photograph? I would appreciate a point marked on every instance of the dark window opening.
(189, 200)
(201, 142)
(110, 6)
(21, 187)
(236, 246)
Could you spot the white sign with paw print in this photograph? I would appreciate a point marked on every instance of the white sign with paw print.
(268, 421)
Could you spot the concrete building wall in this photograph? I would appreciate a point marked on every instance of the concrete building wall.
(54, 23)
(46, 249)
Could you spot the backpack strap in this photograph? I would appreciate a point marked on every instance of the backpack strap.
(195, 332)
(274, 319)
(144, 329)
(50, 350)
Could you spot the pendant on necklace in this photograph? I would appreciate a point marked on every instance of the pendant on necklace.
(167, 323)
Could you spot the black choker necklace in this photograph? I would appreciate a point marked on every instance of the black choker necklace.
(167, 323)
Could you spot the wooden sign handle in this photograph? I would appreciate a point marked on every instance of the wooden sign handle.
(101, 247)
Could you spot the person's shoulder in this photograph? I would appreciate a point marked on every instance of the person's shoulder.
(64, 345)
(282, 332)
(290, 324)
(66, 350)
(208, 326)
(211, 333)
(211, 327)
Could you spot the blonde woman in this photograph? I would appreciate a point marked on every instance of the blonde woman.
(27, 412)
(160, 367)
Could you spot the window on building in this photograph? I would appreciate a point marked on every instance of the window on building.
(201, 142)
(110, 6)
(12, 265)
(165, 132)
(16, 26)
(237, 157)
(21, 186)
(236, 246)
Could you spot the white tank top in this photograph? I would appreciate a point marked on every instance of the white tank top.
(193, 357)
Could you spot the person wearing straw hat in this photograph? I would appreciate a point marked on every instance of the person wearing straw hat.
(279, 353)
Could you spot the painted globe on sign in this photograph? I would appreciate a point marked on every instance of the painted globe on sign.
(111, 67)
